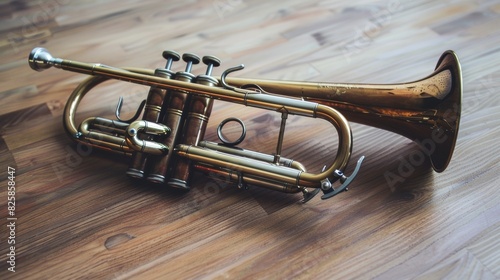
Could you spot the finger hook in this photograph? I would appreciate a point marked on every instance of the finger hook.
(135, 117)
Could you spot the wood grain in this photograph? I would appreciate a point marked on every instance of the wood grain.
(79, 216)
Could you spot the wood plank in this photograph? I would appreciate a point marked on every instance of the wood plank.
(79, 216)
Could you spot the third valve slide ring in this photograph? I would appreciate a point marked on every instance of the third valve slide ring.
(226, 141)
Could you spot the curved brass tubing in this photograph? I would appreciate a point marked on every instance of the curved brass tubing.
(426, 110)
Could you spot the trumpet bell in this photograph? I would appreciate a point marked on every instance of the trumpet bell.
(426, 111)
(444, 134)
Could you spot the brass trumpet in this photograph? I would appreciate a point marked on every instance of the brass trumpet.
(168, 142)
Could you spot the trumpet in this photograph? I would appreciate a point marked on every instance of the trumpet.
(167, 144)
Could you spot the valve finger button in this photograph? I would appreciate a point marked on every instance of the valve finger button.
(170, 56)
(211, 62)
(234, 127)
(190, 59)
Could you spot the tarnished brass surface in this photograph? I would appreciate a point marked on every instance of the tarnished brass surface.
(426, 110)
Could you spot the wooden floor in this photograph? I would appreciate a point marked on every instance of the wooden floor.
(79, 216)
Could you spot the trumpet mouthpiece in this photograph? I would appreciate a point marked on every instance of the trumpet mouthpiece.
(40, 59)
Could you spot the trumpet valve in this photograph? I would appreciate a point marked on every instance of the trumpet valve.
(170, 56)
(190, 59)
(211, 62)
